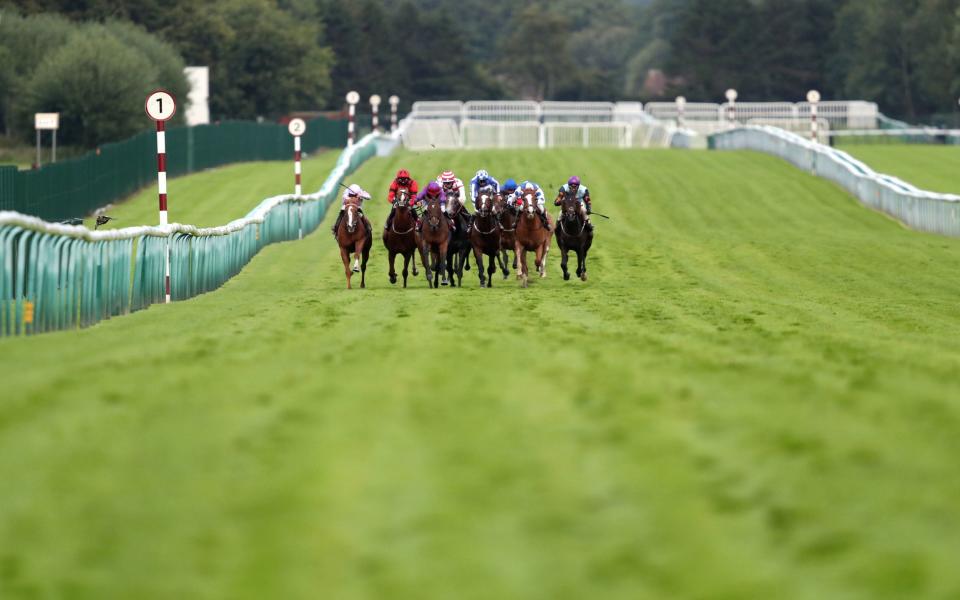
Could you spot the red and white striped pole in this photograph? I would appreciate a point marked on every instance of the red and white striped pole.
(394, 102)
(161, 106)
(352, 99)
(297, 127)
(813, 97)
(375, 111)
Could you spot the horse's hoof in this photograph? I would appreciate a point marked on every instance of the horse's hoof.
(566, 276)
(356, 269)
(483, 284)
(584, 276)
(393, 279)
(466, 267)
(443, 282)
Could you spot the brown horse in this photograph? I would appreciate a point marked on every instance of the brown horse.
(434, 240)
(508, 215)
(485, 236)
(573, 233)
(532, 236)
(401, 237)
(353, 236)
(458, 251)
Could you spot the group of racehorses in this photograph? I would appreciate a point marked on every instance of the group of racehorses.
(498, 226)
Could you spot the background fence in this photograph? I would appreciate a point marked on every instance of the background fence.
(916, 208)
(77, 187)
(61, 277)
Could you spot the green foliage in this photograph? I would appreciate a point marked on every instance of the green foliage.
(96, 83)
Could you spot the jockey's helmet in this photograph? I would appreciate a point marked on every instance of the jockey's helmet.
(574, 182)
(433, 189)
(509, 186)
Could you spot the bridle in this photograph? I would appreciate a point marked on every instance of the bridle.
(351, 220)
(483, 212)
(571, 214)
(393, 224)
(510, 207)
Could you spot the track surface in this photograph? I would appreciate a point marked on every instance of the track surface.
(929, 167)
(756, 395)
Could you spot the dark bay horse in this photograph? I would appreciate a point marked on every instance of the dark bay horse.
(458, 252)
(434, 240)
(531, 236)
(573, 234)
(508, 213)
(485, 236)
(354, 237)
(401, 237)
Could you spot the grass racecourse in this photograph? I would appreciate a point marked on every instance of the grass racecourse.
(756, 395)
(929, 167)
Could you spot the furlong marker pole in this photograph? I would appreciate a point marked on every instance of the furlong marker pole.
(375, 110)
(161, 106)
(394, 101)
(813, 97)
(297, 127)
(352, 98)
(162, 189)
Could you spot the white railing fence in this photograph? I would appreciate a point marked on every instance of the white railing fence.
(916, 208)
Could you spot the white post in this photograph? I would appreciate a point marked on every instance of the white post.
(353, 98)
(394, 103)
(813, 97)
(375, 109)
(161, 106)
(681, 106)
(731, 106)
(297, 127)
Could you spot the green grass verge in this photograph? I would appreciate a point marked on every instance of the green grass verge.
(218, 196)
(755, 396)
(932, 168)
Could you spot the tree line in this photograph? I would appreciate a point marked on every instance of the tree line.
(270, 57)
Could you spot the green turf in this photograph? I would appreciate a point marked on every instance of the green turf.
(754, 396)
(218, 196)
(929, 167)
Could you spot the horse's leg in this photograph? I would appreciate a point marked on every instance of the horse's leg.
(582, 259)
(564, 251)
(502, 259)
(393, 272)
(364, 252)
(406, 263)
(543, 257)
(491, 266)
(522, 266)
(413, 260)
(478, 256)
(452, 266)
(463, 264)
(425, 261)
(444, 250)
(345, 257)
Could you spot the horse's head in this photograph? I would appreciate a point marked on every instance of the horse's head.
(484, 204)
(434, 213)
(530, 203)
(402, 199)
(352, 216)
(569, 206)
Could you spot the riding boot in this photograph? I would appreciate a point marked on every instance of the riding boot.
(543, 218)
(386, 225)
(336, 224)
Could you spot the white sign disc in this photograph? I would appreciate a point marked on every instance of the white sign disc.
(375, 100)
(681, 101)
(161, 106)
(813, 96)
(296, 127)
(394, 100)
(731, 95)
(353, 97)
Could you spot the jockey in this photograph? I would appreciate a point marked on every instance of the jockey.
(582, 195)
(531, 187)
(431, 192)
(481, 181)
(356, 194)
(452, 187)
(402, 181)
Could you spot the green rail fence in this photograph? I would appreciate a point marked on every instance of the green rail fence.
(77, 187)
(56, 276)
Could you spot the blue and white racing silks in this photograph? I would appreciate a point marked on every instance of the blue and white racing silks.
(475, 186)
(538, 192)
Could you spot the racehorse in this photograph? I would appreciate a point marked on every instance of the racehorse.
(458, 252)
(573, 234)
(434, 240)
(531, 236)
(508, 214)
(485, 236)
(401, 237)
(353, 236)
